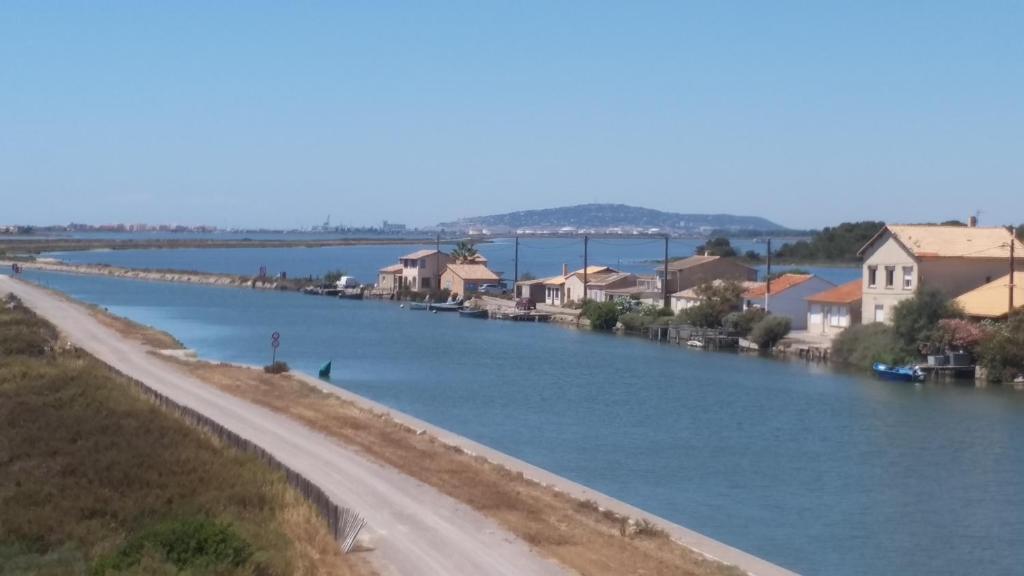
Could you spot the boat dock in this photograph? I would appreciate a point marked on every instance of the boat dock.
(520, 316)
(707, 338)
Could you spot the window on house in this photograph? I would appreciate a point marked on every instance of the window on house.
(424, 282)
(423, 263)
(908, 277)
(835, 317)
(872, 276)
(890, 276)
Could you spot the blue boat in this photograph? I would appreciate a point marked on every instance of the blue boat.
(899, 373)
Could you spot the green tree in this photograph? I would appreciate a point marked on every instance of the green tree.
(716, 300)
(602, 315)
(769, 331)
(862, 345)
(915, 320)
(743, 322)
(1002, 354)
(464, 252)
(839, 243)
(716, 247)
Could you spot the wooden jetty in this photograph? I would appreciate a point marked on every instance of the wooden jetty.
(520, 316)
(708, 338)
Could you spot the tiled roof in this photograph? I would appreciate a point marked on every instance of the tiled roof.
(691, 293)
(993, 299)
(949, 241)
(473, 272)
(605, 279)
(847, 293)
(779, 285)
(420, 254)
(392, 268)
(690, 262)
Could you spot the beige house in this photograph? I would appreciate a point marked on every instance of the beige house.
(901, 259)
(696, 270)
(834, 310)
(993, 299)
(785, 296)
(568, 288)
(687, 298)
(390, 277)
(421, 270)
(532, 290)
(463, 279)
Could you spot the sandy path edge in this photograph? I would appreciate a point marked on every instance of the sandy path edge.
(413, 528)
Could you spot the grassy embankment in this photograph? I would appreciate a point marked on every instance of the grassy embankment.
(577, 533)
(94, 479)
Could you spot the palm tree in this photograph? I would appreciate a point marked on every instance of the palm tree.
(464, 252)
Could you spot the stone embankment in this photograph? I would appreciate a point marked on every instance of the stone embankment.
(157, 275)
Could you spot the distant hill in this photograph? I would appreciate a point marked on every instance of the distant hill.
(602, 217)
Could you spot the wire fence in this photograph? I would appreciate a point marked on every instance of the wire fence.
(343, 523)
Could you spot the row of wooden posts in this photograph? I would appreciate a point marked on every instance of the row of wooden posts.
(344, 523)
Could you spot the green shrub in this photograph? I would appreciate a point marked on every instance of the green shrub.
(716, 300)
(634, 321)
(862, 345)
(915, 320)
(22, 332)
(278, 367)
(1002, 353)
(743, 322)
(602, 315)
(195, 543)
(769, 330)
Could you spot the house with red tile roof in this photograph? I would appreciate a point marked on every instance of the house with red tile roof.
(784, 296)
(831, 311)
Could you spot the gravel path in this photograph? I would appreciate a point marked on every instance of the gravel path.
(413, 528)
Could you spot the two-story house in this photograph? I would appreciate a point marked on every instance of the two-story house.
(422, 270)
(696, 270)
(901, 259)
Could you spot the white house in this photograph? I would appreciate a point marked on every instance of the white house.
(834, 310)
(785, 296)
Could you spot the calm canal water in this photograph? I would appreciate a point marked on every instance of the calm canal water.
(538, 256)
(821, 472)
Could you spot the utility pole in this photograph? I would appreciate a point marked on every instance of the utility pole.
(515, 273)
(1013, 242)
(666, 302)
(768, 276)
(586, 241)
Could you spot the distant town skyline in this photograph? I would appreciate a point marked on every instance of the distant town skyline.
(273, 115)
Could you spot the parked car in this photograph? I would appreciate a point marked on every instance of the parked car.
(525, 304)
(492, 289)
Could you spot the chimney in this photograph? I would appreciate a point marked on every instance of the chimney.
(565, 269)
(972, 221)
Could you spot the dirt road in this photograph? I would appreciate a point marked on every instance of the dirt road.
(413, 528)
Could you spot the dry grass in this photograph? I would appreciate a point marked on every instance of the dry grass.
(577, 533)
(129, 328)
(88, 465)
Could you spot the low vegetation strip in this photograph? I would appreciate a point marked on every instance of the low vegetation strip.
(96, 479)
(579, 534)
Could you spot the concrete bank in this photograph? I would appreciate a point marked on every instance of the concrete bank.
(696, 541)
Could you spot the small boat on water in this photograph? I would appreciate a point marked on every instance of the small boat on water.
(694, 343)
(325, 370)
(350, 293)
(473, 313)
(899, 373)
(446, 307)
(419, 306)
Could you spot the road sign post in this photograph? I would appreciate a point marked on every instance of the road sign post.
(275, 341)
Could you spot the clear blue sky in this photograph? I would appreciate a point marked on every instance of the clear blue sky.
(253, 114)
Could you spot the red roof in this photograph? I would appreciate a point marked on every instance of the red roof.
(779, 285)
(847, 293)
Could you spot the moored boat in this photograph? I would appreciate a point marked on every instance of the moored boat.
(899, 373)
(473, 313)
(446, 307)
